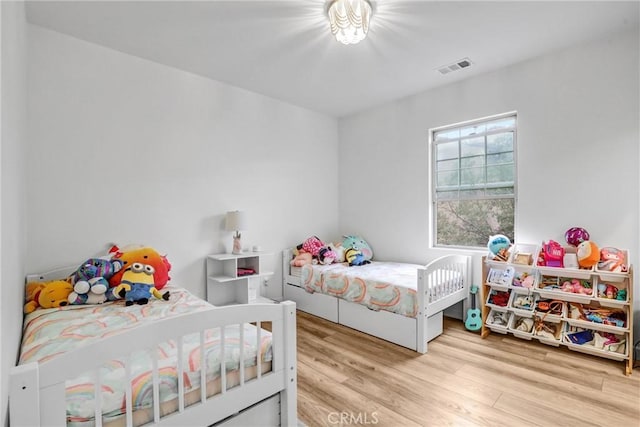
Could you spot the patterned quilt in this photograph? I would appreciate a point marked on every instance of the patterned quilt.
(386, 286)
(49, 333)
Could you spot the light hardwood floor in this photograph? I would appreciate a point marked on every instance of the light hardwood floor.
(349, 378)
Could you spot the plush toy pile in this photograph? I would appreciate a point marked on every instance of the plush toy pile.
(352, 249)
(582, 253)
(132, 273)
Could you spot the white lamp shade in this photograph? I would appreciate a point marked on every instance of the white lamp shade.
(236, 221)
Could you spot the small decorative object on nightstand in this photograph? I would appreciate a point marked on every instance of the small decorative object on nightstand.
(236, 221)
(237, 278)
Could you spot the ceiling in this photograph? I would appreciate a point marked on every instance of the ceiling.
(283, 49)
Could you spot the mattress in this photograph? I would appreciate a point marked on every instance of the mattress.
(49, 333)
(388, 286)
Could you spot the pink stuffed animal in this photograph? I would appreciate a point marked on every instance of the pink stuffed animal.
(312, 245)
(301, 259)
(575, 287)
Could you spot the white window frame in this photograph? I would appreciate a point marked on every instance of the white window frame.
(433, 174)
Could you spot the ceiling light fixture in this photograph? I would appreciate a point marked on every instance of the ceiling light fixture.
(349, 20)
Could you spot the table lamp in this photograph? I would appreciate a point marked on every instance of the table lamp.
(236, 221)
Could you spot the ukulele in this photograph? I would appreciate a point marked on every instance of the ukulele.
(473, 322)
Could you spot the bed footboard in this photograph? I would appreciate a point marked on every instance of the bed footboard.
(37, 390)
(442, 283)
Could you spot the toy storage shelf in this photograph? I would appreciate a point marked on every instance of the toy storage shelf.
(566, 314)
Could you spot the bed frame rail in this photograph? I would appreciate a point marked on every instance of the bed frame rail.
(37, 391)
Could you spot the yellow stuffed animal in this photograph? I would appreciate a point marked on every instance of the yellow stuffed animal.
(47, 294)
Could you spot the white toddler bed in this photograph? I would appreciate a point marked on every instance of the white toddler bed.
(249, 373)
(355, 296)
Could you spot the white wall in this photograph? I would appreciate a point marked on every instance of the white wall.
(12, 178)
(129, 151)
(577, 151)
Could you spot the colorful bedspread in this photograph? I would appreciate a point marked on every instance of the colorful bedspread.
(386, 286)
(50, 333)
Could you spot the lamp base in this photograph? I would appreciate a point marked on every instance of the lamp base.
(237, 246)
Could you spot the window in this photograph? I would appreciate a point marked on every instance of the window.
(474, 181)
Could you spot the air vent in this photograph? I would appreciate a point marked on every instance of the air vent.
(458, 65)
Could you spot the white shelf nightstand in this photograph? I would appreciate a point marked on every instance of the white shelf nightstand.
(237, 279)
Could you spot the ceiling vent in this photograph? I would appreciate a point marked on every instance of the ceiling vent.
(458, 65)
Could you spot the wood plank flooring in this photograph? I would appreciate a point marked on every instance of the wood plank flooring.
(349, 378)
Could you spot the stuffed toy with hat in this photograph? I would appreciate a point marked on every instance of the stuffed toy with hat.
(50, 294)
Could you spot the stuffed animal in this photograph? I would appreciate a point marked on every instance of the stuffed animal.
(90, 281)
(359, 244)
(146, 256)
(90, 297)
(47, 295)
(612, 259)
(312, 245)
(355, 257)
(326, 255)
(588, 254)
(301, 259)
(136, 285)
(338, 250)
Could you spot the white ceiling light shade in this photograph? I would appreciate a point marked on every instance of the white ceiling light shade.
(349, 20)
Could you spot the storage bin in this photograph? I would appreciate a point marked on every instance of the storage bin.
(498, 299)
(522, 304)
(524, 279)
(550, 310)
(612, 294)
(498, 321)
(500, 278)
(581, 273)
(596, 317)
(603, 270)
(524, 254)
(548, 332)
(604, 344)
(552, 286)
(521, 327)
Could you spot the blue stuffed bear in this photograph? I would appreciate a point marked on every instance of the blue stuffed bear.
(90, 281)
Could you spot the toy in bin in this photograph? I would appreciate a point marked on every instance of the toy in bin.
(523, 280)
(547, 330)
(609, 291)
(576, 235)
(551, 254)
(499, 298)
(604, 316)
(550, 307)
(588, 254)
(612, 259)
(581, 337)
(576, 286)
(499, 246)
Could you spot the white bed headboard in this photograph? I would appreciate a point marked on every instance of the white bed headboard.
(57, 274)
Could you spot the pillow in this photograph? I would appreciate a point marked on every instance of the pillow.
(357, 242)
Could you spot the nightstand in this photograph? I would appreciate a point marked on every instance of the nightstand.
(237, 279)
